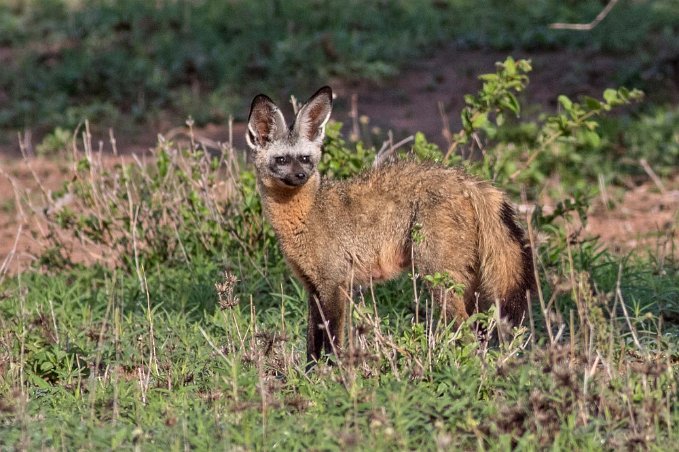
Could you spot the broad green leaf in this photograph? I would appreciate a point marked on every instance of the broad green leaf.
(610, 95)
(591, 103)
(565, 102)
(480, 120)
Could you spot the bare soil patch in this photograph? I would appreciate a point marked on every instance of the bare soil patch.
(24, 184)
(645, 217)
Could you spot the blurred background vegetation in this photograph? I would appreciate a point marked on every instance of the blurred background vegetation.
(128, 62)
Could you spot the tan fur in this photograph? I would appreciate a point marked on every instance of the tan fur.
(341, 234)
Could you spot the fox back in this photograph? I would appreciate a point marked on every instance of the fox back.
(337, 235)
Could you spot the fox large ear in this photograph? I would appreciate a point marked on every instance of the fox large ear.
(314, 114)
(266, 122)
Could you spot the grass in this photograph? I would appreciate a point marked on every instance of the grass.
(95, 361)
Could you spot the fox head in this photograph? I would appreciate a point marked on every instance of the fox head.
(287, 157)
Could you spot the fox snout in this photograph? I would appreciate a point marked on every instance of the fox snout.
(291, 170)
(296, 177)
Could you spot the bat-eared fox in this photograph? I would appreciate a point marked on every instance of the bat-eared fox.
(340, 234)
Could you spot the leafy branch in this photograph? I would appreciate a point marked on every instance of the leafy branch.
(575, 117)
(485, 111)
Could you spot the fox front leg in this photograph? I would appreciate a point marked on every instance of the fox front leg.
(325, 331)
(315, 332)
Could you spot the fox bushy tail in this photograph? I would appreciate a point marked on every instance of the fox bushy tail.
(506, 261)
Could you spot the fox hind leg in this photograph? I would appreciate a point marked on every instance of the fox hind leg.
(443, 250)
(455, 301)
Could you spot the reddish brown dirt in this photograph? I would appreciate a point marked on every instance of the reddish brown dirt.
(405, 104)
(22, 184)
(645, 217)
(28, 188)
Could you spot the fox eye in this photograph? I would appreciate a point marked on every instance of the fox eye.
(281, 160)
(304, 159)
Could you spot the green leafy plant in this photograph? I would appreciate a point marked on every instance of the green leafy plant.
(445, 282)
(338, 160)
(166, 212)
(486, 110)
(50, 364)
(565, 135)
(55, 142)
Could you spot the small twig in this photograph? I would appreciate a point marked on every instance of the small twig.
(353, 114)
(231, 132)
(133, 215)
(531, 321)
(618, 294)
(388, 148)
(8, 259)
(654, 177)
(295, 104)
(54, 321)
(153, 360)
(214, 347)
(445, 131)
(536, 275)
(144, 379)
(26, 143)
(604, 192)
(17, 193)
(27, 160)
(586, 27)
(414, 277)
(112, 140)
(187, 260)
(477, 140)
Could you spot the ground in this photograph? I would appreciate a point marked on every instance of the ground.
(427, 97)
